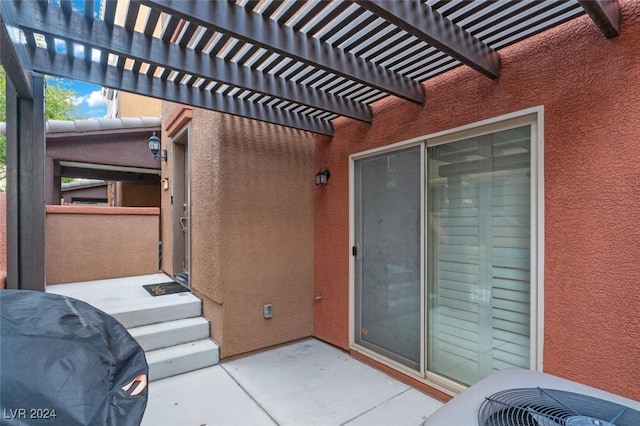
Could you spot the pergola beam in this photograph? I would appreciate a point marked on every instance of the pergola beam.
(108, 76)
(134, 45)
(606, 15)
(236, 21)
(12, 54)
(115, 175)
(428, 25)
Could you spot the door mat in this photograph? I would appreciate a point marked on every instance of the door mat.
(161, 289)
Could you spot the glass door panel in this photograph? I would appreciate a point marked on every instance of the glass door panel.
(479, 196)
(388, 277)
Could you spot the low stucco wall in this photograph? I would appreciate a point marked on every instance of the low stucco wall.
(85, 243)
(590, 89)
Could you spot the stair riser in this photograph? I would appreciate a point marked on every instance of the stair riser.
(160, 369)
(159, 314)
(164, 337)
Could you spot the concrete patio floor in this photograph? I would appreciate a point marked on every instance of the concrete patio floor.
(304, 383)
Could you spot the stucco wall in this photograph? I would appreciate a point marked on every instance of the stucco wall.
(137, 194)
(590, 89)
(89, 243)
(251, 228)
(132, 105)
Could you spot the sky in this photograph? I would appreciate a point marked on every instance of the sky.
(88, 102)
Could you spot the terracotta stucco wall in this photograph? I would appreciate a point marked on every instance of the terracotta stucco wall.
(89, 243)
(251, 228)
(590, 89)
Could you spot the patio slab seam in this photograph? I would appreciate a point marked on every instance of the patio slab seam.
(374, 407)
(246, 391)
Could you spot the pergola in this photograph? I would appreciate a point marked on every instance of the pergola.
(293, 63)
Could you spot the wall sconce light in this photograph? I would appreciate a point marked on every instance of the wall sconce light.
(322, 177)
(154, 147)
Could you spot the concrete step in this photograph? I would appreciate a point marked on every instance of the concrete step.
(166, 308)
(127, 300)
(180, 359)
(165, 334)
(169, 328)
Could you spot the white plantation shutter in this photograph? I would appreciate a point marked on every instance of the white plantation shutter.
(478, 268)
(511, 271)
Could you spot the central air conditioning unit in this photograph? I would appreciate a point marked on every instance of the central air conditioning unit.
(516, 397)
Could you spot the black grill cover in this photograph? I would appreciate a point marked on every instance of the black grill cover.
(64, 362)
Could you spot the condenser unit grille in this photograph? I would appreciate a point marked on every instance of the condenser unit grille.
(550, 407)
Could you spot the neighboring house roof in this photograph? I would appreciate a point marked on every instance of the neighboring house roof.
(93, 124)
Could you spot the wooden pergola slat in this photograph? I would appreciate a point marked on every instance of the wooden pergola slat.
(108, 76)
(431, 27)
(134, 45)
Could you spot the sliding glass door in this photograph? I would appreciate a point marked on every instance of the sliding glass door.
(442, 255)
(388, 255)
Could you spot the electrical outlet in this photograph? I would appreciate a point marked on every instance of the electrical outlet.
(267, 310)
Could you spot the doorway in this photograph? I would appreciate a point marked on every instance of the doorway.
(181, 209)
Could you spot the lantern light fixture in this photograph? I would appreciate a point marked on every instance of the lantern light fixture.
(154, 147)
(322, 177)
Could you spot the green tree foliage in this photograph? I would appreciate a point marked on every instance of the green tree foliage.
(58, 106)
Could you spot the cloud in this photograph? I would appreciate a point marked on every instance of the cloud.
(95, 99)
(77, 100)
